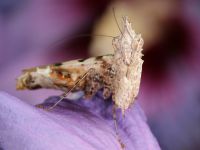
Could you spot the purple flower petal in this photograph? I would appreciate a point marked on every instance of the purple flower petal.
(82, 124)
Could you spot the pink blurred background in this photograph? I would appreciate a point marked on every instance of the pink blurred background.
(170, 87)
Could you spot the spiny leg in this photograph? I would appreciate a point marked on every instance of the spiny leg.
(64, 95)
(116, 127)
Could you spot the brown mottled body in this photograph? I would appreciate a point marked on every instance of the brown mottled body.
(118, 74)
(63, 76)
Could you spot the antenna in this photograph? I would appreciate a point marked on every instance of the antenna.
(113, 10)
(57, 43)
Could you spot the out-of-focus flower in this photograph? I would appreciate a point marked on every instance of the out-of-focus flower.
(82, 124)
(171, 82)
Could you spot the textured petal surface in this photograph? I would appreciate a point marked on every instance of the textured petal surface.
(73, 125)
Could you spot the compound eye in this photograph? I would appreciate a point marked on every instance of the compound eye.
(133, 45)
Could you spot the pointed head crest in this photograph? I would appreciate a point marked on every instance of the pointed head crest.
(128, 43)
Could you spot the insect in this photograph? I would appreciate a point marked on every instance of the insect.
(118, 74)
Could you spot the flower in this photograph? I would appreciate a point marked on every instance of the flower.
(82, 124)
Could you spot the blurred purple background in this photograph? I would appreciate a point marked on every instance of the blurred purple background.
(170, 87)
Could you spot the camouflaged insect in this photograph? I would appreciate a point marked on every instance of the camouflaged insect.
(117, 74)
